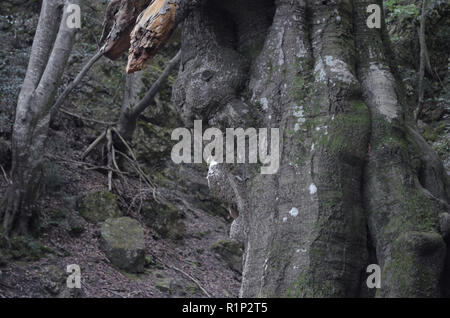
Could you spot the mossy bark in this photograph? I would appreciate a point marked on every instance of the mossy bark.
(352, 163)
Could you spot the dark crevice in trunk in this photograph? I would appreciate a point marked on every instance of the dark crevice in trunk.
(365, 292)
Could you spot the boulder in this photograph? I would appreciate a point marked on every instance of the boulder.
(230, 251)
(175, 286)
(122, 240)
(164, 219)
(98, 206)
(53, 282)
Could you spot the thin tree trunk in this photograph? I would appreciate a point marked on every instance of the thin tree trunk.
(127, 120)
(423, 59)
(50, 51)
(132, 107)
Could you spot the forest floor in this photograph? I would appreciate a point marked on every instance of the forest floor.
(175, 267)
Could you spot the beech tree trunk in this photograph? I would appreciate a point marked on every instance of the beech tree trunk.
(364, 185)
(51, 48)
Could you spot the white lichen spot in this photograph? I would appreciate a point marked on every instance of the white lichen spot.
(340, 69)
(383, 91)
(265, 264)
(284, 219)
(302, 250)
(265, 103)
(293, 212)
(299, 114)
(212, 162)
(301, 48)
(312, 188)
(319, 71)
(280, 47)
(312, 146)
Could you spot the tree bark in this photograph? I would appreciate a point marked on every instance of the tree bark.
(422, 59)
(353, 165)
(51, 48)
(132, 107)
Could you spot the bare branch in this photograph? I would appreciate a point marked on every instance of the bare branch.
(77, 80)
(151, 93)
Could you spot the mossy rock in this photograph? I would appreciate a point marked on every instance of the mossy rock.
(230, 252)
(53, 281)
(123, 241)
(164, 219)
(76, 227)
(153, 144)
(22, 248)
(98, 206)
(175, 286)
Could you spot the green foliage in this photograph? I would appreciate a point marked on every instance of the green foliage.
(398, 10)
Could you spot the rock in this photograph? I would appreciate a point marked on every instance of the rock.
(76, 227)
(26, 249)
(122, 240)
(54, 283)
(98, 206)
(153, 144)
(230, 252)
(175, 286)
(164, 219)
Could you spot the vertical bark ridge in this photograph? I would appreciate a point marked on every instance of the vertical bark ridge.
(274, 252)
(340, 133)
(403, 216)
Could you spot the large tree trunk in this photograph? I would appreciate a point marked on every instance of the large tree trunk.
(51, 49)
(367, 187)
